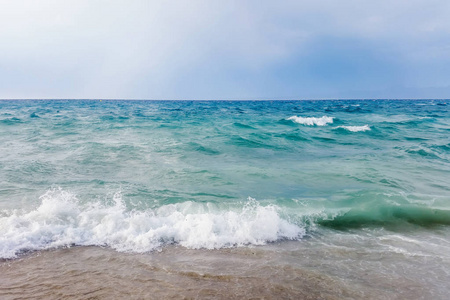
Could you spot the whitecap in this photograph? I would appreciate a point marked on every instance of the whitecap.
(61, 221)
(355, 128)
(310, 121)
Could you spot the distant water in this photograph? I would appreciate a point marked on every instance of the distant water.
(137, 176)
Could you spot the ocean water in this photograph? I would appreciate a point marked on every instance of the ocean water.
(355, 192)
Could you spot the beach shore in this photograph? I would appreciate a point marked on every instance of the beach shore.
(287, 270)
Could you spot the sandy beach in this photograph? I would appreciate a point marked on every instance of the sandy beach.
(287, 270)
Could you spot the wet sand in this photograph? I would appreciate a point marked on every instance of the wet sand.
(99, 273)
(288, 270)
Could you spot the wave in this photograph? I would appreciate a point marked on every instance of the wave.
(202, 149)
(61, 221)
(422, 152)
(255, 141)
(244, 126)
(311, 121)
(387, 216)
(355, 128)
(11, 121)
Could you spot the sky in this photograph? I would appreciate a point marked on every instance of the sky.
(212, 50)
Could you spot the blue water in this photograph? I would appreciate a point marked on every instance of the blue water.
(139, 175)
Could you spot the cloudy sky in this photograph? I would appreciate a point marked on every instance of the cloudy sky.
(193, 49)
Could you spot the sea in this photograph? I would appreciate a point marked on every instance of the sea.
(329, 199)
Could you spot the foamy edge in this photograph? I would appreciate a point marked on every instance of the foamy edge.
(355, 128)
(60, 221)
(311, 121)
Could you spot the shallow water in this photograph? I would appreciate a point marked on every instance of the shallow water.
(349, 267)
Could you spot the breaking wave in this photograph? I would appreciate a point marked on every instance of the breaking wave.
(61, 221)
(311, 121)
(355, 128)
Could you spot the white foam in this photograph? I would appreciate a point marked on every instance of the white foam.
(355, 128)
(311, 121)
(61, 221)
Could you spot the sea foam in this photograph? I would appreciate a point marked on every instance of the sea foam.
(355, 128)
(61, 221)
(311, 121)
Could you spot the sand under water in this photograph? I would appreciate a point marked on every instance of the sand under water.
(314, 268)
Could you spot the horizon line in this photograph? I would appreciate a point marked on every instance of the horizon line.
(235, 99)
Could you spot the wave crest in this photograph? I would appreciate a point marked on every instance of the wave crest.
(61, 221)
(355, 128)
(311, 121)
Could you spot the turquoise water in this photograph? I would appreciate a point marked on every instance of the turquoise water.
(139, 175)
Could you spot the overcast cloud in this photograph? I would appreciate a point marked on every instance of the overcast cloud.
(224, 49)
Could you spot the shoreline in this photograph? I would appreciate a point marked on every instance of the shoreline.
(286, 270)
(174, 272)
